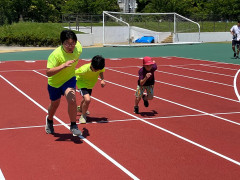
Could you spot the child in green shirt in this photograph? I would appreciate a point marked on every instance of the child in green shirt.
(87, 76)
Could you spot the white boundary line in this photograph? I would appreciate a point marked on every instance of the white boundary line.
(217, 62)
(199, 79)
(1, 175)
(235, 84)
(124, 120)
(84, 139)
(197, 70)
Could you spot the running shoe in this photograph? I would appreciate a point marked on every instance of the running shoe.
(83, 119)
(75, 131)
(49, 127)
(136, 110)
(146, 104)
(80, 110)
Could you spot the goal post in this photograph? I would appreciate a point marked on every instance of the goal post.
(145, 29)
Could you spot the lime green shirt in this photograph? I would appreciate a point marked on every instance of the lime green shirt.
(86, 78)
(58, 57)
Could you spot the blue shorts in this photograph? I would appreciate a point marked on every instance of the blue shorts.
(56, 93)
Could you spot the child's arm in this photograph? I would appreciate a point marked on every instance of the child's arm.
(142, 81)
(102, 79)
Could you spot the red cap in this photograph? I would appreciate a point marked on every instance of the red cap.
(147, 61)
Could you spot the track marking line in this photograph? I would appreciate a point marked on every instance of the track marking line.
(84, 139)
(199, 79)
(201, 71)
(1, 175)
(178, 58)
(172, 133)
(218, 67)
(235, 85)
(123, 120)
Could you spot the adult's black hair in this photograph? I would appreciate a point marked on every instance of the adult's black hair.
(238, 21)
(67, 34)
(98, 62)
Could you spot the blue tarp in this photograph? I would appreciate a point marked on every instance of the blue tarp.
(145, 39)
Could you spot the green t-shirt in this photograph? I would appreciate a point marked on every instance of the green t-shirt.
(86, 78)
(58, 57)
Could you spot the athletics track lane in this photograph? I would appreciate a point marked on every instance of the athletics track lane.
(133, 138)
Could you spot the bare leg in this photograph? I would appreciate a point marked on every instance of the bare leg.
(72, 104)
(85, 103)
(52, 108)
(137, 100)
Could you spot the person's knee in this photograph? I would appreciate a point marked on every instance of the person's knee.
(87, 100)
(71, 97)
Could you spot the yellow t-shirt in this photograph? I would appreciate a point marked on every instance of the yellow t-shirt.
(58, 57)
(86, 78)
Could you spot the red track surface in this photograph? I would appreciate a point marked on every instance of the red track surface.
(189, 131)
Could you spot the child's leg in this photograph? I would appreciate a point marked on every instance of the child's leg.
(137, 100)
(85, 103)
(150, 92)
(138, 96)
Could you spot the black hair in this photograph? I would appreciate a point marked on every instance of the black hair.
(67, 34)
(98, 62)
(238, 21)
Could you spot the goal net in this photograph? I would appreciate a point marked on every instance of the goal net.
(145, 29)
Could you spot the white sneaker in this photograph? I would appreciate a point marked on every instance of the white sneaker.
(83, 119)
(75, 131)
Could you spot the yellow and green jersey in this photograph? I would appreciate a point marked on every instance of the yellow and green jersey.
(58, 57)
(86, 78)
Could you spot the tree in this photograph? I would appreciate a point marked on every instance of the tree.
(90, 6)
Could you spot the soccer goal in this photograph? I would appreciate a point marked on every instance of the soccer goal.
(146, 29)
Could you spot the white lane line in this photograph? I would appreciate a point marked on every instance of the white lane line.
(172, 133)
(201, 71)
(125, 120)
(235, 85)
(199, 79)
(1, 175)
(84, 139)
(218, 67)
(179, 86)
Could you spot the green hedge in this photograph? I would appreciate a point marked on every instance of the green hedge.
(31, 34)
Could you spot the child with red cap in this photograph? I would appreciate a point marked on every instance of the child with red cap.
(145, 82)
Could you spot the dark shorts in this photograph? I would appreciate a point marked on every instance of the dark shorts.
(84, 91)
(234, 43)
(56, 93)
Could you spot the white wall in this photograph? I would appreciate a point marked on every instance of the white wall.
(114, 33)
(204, 37)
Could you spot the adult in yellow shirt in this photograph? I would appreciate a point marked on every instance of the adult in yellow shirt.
(62, 80)
(87, 76)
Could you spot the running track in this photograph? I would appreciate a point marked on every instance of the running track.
(190, 130)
